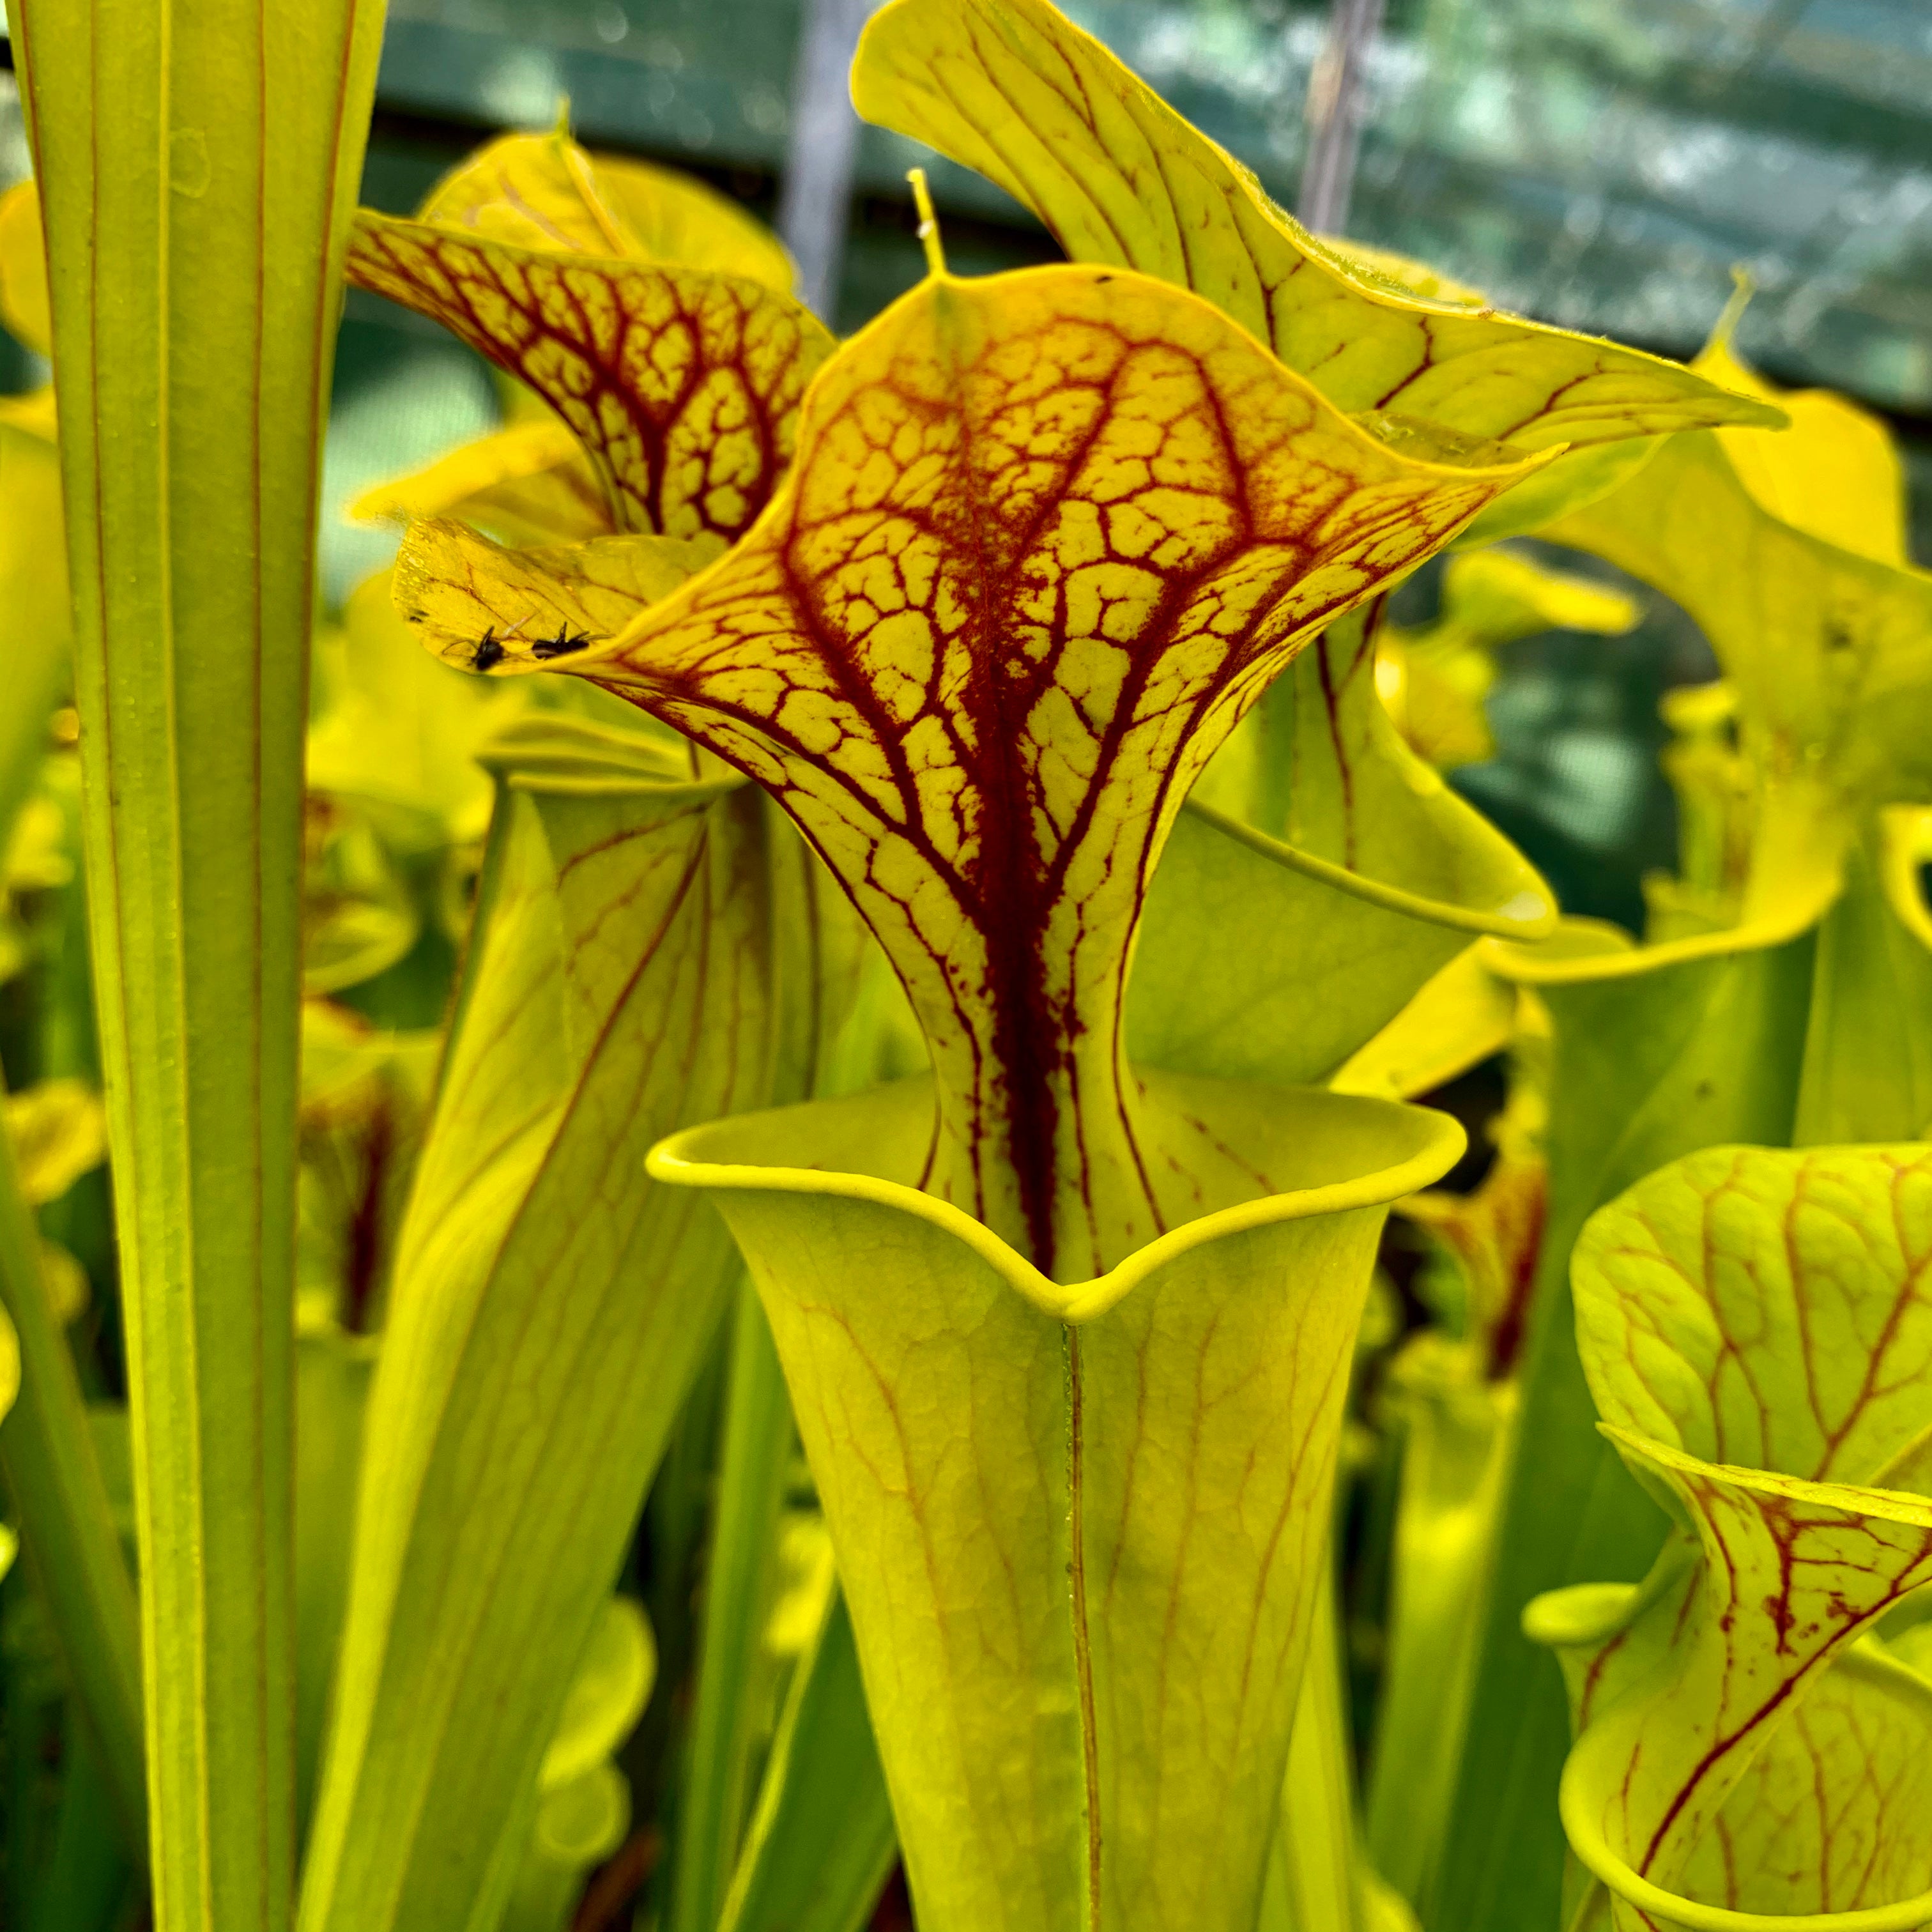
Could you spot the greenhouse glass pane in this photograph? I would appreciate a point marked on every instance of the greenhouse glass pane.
(1602, 163)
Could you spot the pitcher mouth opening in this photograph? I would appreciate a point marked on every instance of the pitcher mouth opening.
(1593, 1851)
(1326, 1154)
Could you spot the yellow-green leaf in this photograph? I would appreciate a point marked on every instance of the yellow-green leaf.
(197, 166)
(531, 483)
(59, 1132)
(483, 606)
(1050, 535)
(333, 1369)
(543, 191)
(1830, 653)
(1012, 89)
(820, 1841)
(550, 1305)
(1830, 1813)
(1766, 1308)
(1868, 1048)
(683, 385)
(606, 1697)
(23, 268)
(1686, 1688)
(1657, 1051)
(1082, 1527)
(1461, 1015)
(1359, 872)
(1835, 473)
(1756, 1327)
(1458, 1429)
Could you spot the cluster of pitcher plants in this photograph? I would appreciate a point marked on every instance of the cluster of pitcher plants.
(697, 1203)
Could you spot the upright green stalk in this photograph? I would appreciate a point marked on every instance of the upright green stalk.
(717, 1787)
(48, 1454)
(196, 164)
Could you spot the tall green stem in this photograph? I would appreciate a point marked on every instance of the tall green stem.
(68, 1527)
(197, 164)
(757, 1444)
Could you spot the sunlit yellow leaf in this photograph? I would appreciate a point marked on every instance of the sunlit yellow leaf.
(1014, 90)
(59, 1132)
(1835, 473)
(607, 1697)
(10, 1387)
(400, 732)
(683, 385)
(1051, 534)
(543, 191)
(530, 483)
(1830, 653)
(1433, 678)
(485, 608)
(1462, 1014)
(1756, 1328)
(23, 268)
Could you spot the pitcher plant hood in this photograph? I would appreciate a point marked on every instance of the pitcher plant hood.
(1049, 536)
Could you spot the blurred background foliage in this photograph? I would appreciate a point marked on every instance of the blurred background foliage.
(1602, 164)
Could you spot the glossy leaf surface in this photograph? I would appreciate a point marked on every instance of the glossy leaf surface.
(1082, 1528)
(1757, 1329)
(1049, 536)
(683, 386)
(182, 149)
(821, 1842)
(1654, 1057)
(1012, 89)
(550, 1306)
(543, 191)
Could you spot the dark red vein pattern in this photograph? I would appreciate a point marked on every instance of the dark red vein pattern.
(1012, 89)
(684, 385)
(1755, 1325)
(1049, 536)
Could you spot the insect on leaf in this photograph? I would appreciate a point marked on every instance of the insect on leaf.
(1050, 535)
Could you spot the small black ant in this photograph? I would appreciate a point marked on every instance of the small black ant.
(561, 645)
